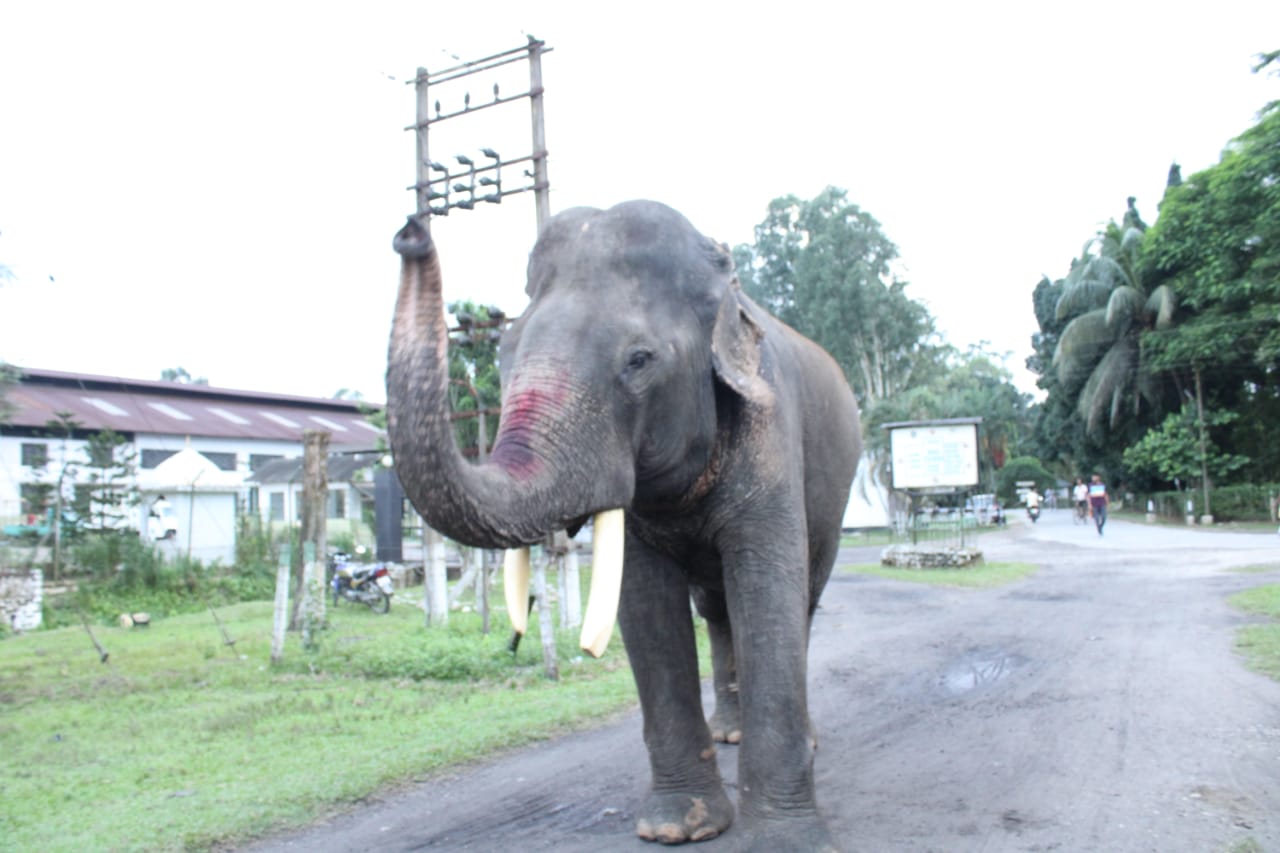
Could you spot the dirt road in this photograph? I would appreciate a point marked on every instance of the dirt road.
(1095, 706)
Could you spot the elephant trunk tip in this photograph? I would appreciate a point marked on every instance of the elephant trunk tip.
(413, 240)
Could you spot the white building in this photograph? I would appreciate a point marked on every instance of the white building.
(194, 444)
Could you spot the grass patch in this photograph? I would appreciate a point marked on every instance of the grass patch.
(181, 742)
(978, 577)
(1260, 644)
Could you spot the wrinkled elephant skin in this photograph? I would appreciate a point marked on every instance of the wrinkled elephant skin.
(642, 378)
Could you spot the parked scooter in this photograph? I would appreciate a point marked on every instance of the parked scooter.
(363, 583)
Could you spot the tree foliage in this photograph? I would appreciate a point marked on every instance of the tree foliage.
(1171, 452)
(1146, 312)
(1106, 305)
(181, 376)
(974, 383)
(1217, 245)
(824, 267)
(105, 501)
(473, 370)
(1022, 469)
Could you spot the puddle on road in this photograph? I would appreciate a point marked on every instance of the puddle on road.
(979, 669)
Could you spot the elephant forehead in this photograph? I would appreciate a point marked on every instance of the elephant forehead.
(625, 256)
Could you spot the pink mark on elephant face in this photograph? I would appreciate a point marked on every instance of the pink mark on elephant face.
(526, 415)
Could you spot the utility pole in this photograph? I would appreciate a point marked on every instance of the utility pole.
(471, 180)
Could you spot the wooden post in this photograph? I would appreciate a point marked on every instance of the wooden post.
(280, 621)
(1207, 516)
(436, 580)
(486, 560)
(572, 587)
(546, 621)
(315, 499)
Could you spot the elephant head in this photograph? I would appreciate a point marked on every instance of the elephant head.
(636, 333)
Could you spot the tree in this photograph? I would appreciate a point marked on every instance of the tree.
(1022, 469)
(181, 376)
(1217, 245)
(974, 383)
(824, 267)
(1173, 452)
(1107, 306)
(474, 381)
(106, 501)
(9, 377)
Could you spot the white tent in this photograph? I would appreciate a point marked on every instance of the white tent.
(204, 499)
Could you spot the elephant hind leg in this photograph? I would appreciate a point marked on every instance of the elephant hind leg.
(726, 721)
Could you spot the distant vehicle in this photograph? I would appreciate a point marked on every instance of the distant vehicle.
(982, 508)
(162, 522)
(34, 527)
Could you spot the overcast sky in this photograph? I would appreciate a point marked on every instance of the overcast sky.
(216, 185)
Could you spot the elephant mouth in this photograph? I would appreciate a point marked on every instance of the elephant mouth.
(607, 541)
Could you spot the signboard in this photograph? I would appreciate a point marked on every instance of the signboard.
(932, 455)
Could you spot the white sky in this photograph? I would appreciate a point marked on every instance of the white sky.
(216, 185)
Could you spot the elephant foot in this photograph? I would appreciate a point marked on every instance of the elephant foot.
(795, 835)
(726, 723)
(675, 817)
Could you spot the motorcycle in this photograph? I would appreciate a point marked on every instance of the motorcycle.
(362, 583)
(1034, 512)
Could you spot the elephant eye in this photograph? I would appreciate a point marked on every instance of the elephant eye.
(638, 359)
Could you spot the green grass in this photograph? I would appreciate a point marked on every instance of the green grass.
(181, 742)
(1260, 644)
(977, 577)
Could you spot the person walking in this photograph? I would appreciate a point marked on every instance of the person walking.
(1098, 502)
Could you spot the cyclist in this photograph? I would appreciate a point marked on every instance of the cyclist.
(1080, 494)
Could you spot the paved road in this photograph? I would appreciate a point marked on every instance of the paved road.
(1097, 705)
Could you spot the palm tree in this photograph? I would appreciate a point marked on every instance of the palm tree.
(1099, 351)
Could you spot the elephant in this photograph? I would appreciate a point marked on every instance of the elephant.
(642, 378)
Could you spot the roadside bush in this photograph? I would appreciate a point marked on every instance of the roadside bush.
(1229, 503)
(125, 574)
(1022, 468)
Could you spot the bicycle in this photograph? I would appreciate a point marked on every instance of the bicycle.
(1082, 512)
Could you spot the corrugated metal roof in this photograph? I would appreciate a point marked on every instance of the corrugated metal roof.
(342, 468)
(169, 408)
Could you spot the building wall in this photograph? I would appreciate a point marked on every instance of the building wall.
(13, 473)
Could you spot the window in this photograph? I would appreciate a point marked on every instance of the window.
(337, 503)
(257, 460)
(152, 458)
(277, 505)
(35, 455)
(224, 461)
(253, 500)
(36, 498)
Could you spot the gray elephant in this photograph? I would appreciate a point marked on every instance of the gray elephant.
(641, 378)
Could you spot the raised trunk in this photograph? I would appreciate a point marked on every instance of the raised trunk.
(536, 480)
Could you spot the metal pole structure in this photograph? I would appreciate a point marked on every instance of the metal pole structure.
(423, 172)
(541, 184)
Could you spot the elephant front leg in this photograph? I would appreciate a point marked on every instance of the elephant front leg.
(687, 801)
(768, 599)
(726, 720)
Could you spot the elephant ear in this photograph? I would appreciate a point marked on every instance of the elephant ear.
(736, 346)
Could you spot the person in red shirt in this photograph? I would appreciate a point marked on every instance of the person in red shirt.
(1098, 502)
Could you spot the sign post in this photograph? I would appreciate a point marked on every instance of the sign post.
(933, 457)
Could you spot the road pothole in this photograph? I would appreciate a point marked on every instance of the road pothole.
(979, 669)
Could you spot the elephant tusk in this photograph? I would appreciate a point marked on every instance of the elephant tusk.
(515, 586)
(609, 529)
